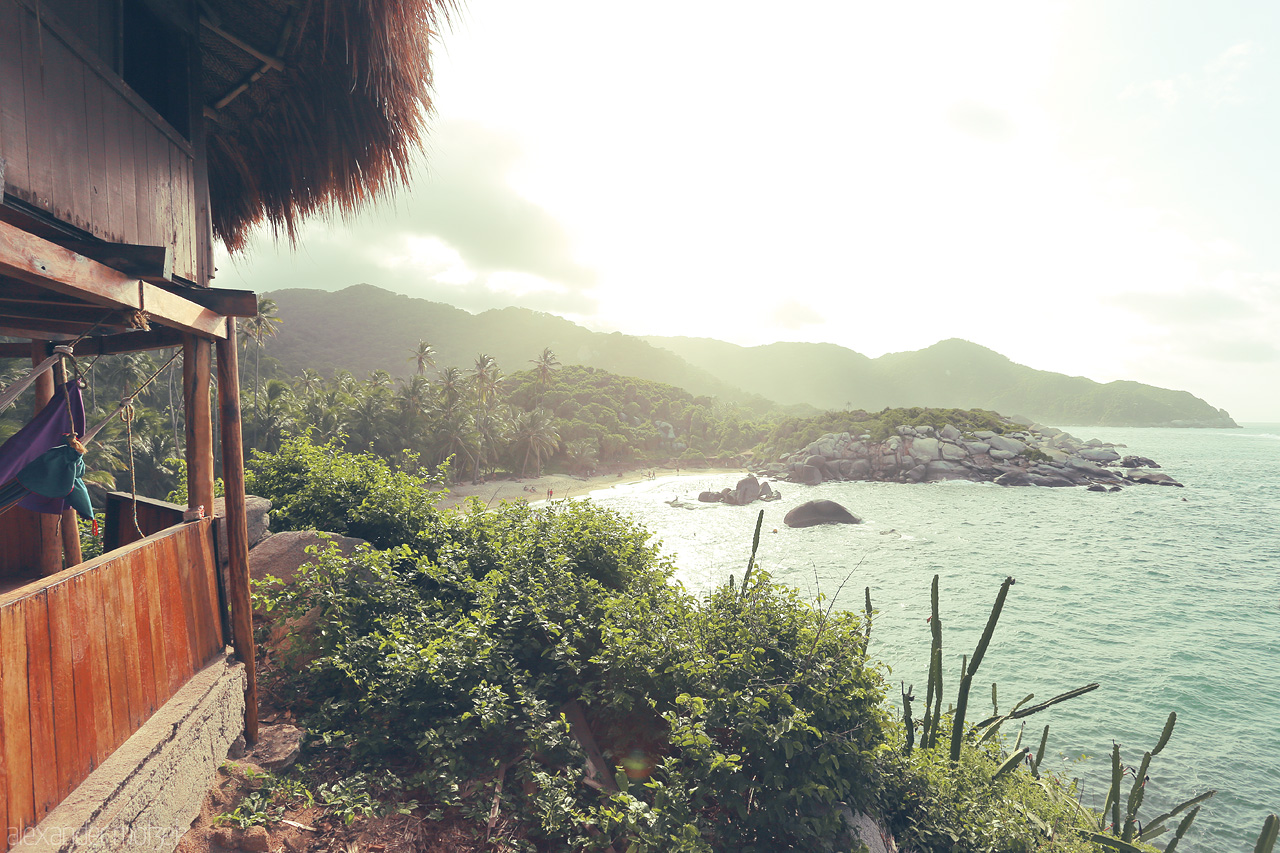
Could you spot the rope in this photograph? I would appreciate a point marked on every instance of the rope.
(127, 414)
(127, 400)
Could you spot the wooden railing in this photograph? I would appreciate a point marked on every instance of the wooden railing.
(88, 655)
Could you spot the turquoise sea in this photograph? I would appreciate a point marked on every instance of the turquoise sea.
(1169, 598)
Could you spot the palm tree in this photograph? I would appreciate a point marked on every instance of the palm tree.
(452, 384)
(534, 438)
(424, 356)
(259, 327)
(486, 376)
(544, 365)
(582, 454)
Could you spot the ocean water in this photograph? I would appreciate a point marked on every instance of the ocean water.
(1168, 598)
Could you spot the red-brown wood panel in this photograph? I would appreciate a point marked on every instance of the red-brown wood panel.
(142, 180)
(16, 719)
(67, 140)
(159, 652)
(117, 668)
(210, 572)
(13, 112)
(173, 616)
(126, 615)
(192, 598)
(92, 707)
(72, 763)
(39, 189)
(120, 147)
(100, 670)
(44, 764)
(99, 181)
(143, 610)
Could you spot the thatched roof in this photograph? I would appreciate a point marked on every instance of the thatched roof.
(337, 93)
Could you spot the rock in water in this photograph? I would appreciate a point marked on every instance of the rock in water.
(819, 512)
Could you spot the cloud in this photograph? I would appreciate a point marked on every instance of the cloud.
(462, 234)
(796, 315)
(1218, 82)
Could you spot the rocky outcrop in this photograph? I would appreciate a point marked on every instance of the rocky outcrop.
(812, 513)
(1023, 454)
(748, 490)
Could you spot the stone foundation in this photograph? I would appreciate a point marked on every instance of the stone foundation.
(145, 795)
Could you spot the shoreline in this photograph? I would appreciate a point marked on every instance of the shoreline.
(564, 485)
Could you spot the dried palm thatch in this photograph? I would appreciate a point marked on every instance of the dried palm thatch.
(330, 125)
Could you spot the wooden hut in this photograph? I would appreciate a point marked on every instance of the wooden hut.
(133, 133)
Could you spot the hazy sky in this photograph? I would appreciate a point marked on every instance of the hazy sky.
(1089, 187)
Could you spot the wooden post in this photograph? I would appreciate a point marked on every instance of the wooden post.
(50, 543)
(196, 354)
(237, 524)
(70, 526)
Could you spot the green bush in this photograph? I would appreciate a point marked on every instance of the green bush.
(323, 487)
(747, 718)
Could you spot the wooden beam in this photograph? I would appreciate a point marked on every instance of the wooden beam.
(228, 303)
(87, 315)
(50, 541)
(237, 525)
(69, 526)
(196, 363)
(15, 350)
(262, 56)
(29, 258)
(149, 263)
(159, 338)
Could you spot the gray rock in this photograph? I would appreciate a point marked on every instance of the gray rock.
(1006, 444)
(950, 433)
(1139, 475)
(1099, 454)
(747, 490)
(1137, 462)
(925, 449)
(1098, 487)
(918, 474)
(813, 513)
(710, 497)
(277, 747)
(809, 475)
(257, 518)
(859, 469)
(1003, 454)
(984, 434)
(280, 555)
(1015, 478)
(954, 452)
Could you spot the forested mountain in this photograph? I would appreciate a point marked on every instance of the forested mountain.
(951, 373)
(364, 328)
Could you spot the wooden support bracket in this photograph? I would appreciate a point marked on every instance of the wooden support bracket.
(28, 258)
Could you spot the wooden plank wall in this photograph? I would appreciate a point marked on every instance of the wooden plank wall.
(153, 516)
(89, 654)
(82, 146)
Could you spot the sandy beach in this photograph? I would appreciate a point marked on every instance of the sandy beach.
(562, 485)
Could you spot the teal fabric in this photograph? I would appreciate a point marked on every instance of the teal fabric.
(58, 473)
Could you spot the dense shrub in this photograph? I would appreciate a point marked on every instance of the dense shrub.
(746, 718)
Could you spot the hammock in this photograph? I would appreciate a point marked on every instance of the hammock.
(39, 469)
(11, 393)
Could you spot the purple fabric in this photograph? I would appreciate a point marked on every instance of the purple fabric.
(44, 431)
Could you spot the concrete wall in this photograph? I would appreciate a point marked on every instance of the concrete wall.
(145, 795)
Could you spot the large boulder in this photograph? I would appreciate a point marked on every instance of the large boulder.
(747, 490)
(280, 555)
(1005, 444)
(1137, 462)
(925, 449)
(1099, 454)
(812, 513)
(809, 475)
(710, 497)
